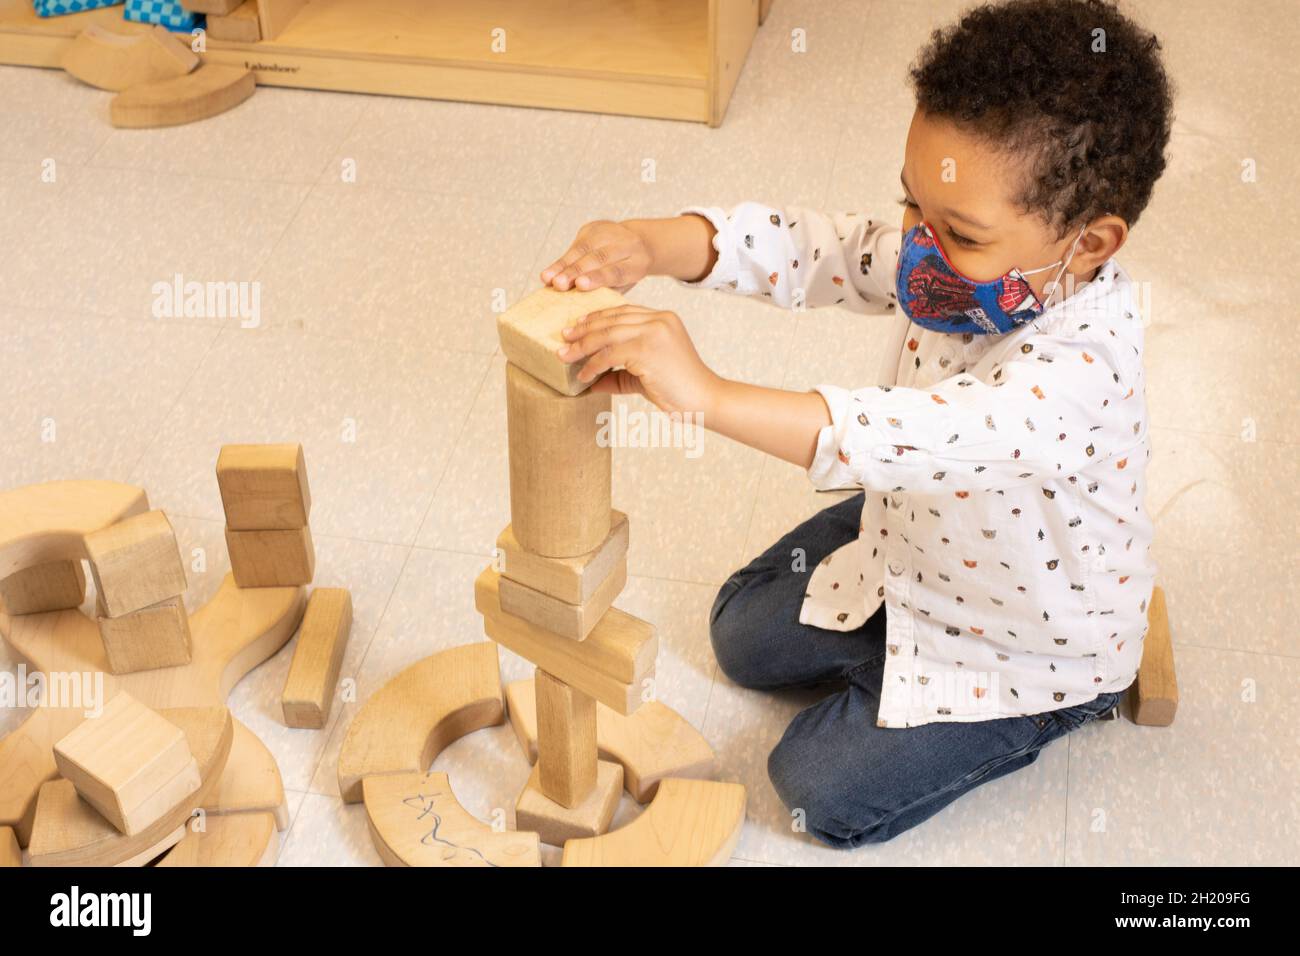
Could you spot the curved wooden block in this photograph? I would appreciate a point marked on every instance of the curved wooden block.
(407, 722)
(251, 781)
(416, 820)
(115, 61)
(48, 522)
(70, 832)
(211, 89)
(651, 744)
(689, 823)
(241, 839)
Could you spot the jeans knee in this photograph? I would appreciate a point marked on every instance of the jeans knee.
(734, 636)
(813, 803)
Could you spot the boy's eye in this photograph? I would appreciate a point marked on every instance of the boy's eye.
(904, 201)
(961, 240)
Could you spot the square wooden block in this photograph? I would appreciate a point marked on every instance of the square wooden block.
(263, 487)
(574, 621)
(135, 563)
(129, 763)
(147, 639)
(554, 823)
(572, 580)
(54, 586)
(271, 559)
(317, 657)
(530, 332)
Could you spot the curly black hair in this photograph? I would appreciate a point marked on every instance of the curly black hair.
(1073, 87)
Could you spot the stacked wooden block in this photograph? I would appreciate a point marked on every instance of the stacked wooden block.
(266, 499)
(564, 561)
(140, 581)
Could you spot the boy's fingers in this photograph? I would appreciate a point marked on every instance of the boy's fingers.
(618, 382)
(594, 341)
(612, 356)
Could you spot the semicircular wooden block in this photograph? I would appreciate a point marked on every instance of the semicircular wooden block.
(689, 823)
(652, 743)
(251, 782)
(416, 820)
(407, 722)
(68, 831)
(115, 61)
(211, 89)
(49, 522)
(241, 839)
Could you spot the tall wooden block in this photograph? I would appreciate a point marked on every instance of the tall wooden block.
(555, 823)
(566, 741)
(263, 487)
(55, 586)
(271, 559)
(574, 621)
(530, 332)
(314, 673)
(147, 639)
(129, 763)
(135, 563)
(560, 474)
(1155, 691)
(573, 580)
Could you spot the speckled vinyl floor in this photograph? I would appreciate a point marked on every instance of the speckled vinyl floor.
(377, 326)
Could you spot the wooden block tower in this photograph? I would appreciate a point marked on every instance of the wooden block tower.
(266, 499)
(564, 561)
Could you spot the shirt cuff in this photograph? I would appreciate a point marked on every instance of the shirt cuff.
(832, 467)
(725, 274)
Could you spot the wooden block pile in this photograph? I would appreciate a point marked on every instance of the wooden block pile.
(266, 499)
(140, 581)
(564, 561)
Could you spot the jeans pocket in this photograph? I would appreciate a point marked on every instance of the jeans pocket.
(1072, 718)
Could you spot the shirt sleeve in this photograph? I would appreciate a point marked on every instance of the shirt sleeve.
(1059, 406)
(803, 258)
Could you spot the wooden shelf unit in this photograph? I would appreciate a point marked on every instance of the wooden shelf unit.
(667, 59)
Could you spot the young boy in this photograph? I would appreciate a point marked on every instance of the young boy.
(987, 593)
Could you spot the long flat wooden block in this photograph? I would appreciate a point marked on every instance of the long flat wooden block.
(239, 26)
(135, 563)
(530, 332)
(566, 741)
(554, 823)
(116, 61)
(314, 674)
(148, 639)
(53, 586)
(10, 853)
(574, 621)
(573, 580)
(209, 90)
(268, 559)
(560, 468)
(263, 487)
(1155, 691)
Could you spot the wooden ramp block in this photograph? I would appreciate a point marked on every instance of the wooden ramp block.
(115, 61)
(314, 674)
(609, 665)
(574, 621)
(263, 487)
(269, 559)
(566, 741)
(241, 839)
(135, 563)
(129, 763)
(250, 782)
(573, 580)
(416, 820)
(559, 467)
(654, 743)
(1155, 690)
(689, 823)
(530, 332)
(148, 639)
(209, 90)
(53, 586)
(407, 722)
(239, 26)
(10, 853)
(554, 823)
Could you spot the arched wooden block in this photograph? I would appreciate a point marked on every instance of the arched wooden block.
(416, 820)
(251, 781)
(115, 61)
(653, 743)
(407, 722)
(47, 522)
(211, 89)
(689, 823)
(241, 839)
(70, 832)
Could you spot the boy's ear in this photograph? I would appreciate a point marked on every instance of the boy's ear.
(1104, 238)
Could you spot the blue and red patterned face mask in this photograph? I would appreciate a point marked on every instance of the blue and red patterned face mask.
(934, 295)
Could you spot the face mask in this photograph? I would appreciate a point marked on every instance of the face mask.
(934, 295)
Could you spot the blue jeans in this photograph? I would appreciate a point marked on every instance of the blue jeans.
(855, 782)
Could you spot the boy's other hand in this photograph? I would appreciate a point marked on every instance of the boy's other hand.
(604, 253)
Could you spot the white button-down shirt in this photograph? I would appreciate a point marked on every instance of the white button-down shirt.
(1004, 527)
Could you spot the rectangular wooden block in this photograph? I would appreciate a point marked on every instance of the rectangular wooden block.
(135, 563)
(554, 823)
(573, 580)
(239, 26)
(566, 741)
(574, 621)
(609, 665)
(211, 6)
(129, 763)
(144, 640)
(270, 559)
(1155, 691)
(54, 586)
(263, 487)
(560, 468)
(530, 332)
(314, 674)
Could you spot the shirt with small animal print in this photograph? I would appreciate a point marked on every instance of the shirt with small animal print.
(1004, 527)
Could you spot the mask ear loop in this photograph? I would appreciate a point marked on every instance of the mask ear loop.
(1051, 287)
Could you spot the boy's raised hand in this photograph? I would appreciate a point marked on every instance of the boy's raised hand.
(603, 253)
